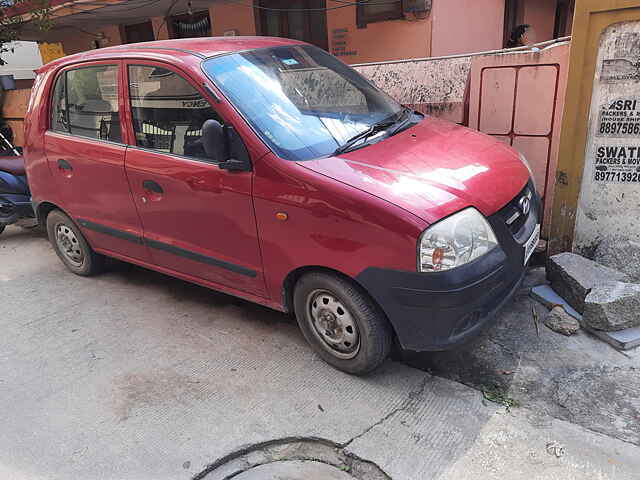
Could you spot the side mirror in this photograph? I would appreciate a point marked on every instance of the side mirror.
(223, 145)
(238, 158)
(214, 142)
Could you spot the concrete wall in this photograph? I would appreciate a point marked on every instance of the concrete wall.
(75, 41)
(466, 26)
(228, 16)
(379, 41)
(436, 87)
(607, 226)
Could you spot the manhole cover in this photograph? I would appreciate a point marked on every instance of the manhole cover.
(293, 459)
(294, 470)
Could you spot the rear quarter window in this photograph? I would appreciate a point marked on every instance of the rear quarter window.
(85, 103)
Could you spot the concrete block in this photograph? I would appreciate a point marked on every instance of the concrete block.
(613, 306)
(573, 276)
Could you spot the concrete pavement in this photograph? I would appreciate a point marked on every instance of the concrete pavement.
(135, 375)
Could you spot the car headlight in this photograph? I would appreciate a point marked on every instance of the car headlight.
(454, 241)
(525, 162)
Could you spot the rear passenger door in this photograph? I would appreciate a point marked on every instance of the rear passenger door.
(86, 151)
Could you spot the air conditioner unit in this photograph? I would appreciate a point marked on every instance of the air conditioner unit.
(416, 6)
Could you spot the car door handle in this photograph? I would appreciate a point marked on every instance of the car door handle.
(64, 165)
(152, 186)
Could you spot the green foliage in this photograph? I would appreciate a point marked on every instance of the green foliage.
(38, 14)
(498, 395)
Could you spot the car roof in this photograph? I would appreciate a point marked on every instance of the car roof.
(198, 48)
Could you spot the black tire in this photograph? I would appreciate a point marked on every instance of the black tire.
(373, 330)
(89, 262)
(1, 229)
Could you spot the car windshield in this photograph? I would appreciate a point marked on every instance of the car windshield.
(303, 102)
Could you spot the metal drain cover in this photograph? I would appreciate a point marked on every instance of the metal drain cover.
(293, 459)
(294, 470)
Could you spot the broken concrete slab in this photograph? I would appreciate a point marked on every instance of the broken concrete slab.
(561, 322)
(613, 306)
(573, 276)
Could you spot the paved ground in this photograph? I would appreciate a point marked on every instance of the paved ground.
(579, 378)
(134, 375)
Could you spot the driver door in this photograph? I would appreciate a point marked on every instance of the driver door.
(198, 220)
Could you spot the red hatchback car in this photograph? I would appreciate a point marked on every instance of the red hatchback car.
(268, 169)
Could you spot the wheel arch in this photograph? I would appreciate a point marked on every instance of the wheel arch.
(43, 209)
(288, 287)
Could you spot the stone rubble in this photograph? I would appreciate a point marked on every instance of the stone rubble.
(561, 322)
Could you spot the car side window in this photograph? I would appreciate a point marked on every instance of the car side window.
(85, 103)
(59, 105)
(168, 112)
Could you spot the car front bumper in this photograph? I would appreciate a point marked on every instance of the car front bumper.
(440, 310)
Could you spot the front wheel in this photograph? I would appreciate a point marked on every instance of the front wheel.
(341, 322)
(71, 246)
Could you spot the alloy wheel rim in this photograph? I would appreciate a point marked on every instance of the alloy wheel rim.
(69, 245)
(333, 324)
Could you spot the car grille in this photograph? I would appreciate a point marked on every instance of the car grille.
(512, 215)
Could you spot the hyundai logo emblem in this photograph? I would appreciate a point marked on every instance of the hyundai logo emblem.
(525, 205)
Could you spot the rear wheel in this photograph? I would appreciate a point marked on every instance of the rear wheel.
(341, 322)
(71, 246)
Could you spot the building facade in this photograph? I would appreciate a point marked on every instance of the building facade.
(355, 31)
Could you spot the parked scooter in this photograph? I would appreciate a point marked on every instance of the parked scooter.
(15, 197)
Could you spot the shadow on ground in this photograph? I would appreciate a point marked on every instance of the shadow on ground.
(519, 361)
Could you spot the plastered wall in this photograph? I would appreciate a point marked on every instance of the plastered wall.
(608, 213)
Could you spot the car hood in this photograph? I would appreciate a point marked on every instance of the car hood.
(432, 169)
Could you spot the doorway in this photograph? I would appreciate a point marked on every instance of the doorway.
(304, 20)
(139, 32)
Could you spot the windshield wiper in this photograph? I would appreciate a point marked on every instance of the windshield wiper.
(400, 117)
(402, 121)
(376, 127)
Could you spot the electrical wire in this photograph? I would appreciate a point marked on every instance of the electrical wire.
(343, 4)
(166, 16)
